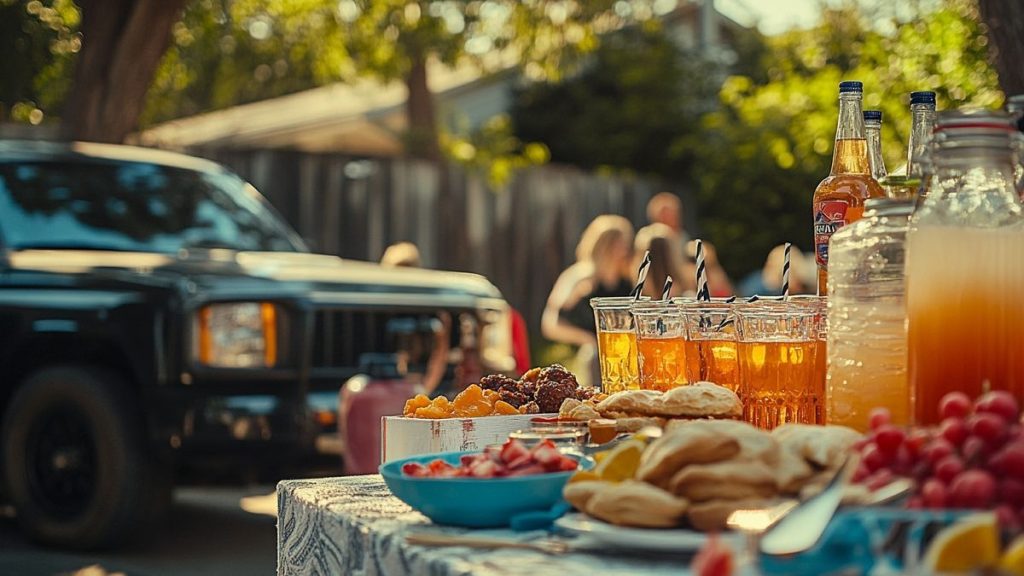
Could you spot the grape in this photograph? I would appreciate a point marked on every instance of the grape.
(1011, 492)
(873, 458)
(955, 405)
(949, 468)
(1007, 517)
(1009, 460)
(989, 427)
(880, 478)
(972, 489)
(888, 438)
(937, 450)
(915, 503)
(975, 450)
(933, 494)
(916, 440)
(954, 430)
(998, 402)
(878, 417)
(860, 474)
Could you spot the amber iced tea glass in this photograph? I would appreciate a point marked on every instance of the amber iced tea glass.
(777, 345)
(711, 343)
(660, 345)
(616, 343)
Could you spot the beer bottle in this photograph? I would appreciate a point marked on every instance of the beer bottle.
(839, 198)
(873, 132)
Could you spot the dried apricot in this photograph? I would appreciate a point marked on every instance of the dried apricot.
(440, 402)
(417, 401)
(471, 394)
(491, 396)
(432, 412)
(502, 407)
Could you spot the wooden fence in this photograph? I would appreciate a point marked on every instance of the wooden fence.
(520, 237)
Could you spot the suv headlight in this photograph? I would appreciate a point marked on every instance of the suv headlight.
(236, 335)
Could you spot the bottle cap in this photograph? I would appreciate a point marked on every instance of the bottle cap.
(851, 86)
(873, 115)
(924, 97)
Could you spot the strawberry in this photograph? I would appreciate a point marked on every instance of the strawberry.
(567, 464)
(483, 469)
(414, 469)
(513, 450)
(527, 470)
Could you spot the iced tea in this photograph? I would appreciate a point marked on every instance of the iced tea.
(711, 344)
(617, 352)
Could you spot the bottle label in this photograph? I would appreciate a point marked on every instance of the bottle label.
(829, 216)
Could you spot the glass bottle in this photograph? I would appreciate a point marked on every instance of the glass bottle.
(1015, 107)
(873, 133)
(965, 266)
(922, 113)
(839, 198)
(866, 296)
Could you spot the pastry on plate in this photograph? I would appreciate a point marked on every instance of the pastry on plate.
(635, 503)
(729, 480)
(698, 400)
(697, 443)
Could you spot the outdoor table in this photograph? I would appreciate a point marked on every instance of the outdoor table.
(354, 526)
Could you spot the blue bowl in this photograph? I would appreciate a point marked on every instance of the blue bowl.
(473, 502)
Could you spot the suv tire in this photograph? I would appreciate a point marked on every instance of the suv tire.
(74, 459)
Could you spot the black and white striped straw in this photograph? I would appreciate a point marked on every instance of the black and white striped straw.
(702, 274)
(641, 275)
(667, 289)
(785, 273)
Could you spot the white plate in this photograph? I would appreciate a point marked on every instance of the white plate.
(660, 539)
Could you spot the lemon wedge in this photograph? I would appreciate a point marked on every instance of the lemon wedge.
(970, 544)
(584, 476)
(1012, 561)
(620, 463)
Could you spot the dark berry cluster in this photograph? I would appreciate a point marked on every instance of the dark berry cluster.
(539, 390)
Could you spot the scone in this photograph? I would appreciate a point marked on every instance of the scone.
(792, 471)
(637, 423)
(698, 400)
(698, 443)
(629, 402)
(583, 413)
(729, 480)
(579, 493)
(634, 503)
(824, 446)
(567, 406)
(711, 516)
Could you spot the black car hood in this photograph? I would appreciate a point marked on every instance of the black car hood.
(230, 274)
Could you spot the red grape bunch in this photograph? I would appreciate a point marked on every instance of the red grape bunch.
(973, 459)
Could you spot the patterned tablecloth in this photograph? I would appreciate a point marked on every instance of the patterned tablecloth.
(354, 526)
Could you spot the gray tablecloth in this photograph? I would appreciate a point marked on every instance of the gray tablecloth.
(354, 526)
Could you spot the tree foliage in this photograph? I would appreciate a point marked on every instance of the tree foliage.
(38, 41)
(764, 151)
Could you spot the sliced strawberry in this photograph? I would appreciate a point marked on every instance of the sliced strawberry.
(483, 469)
(547, 454)
(414, 469)
(438, 466)
(527, 470)
(524, 460)
(513, 450)
(567, 464)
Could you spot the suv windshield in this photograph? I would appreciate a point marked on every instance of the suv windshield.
(134, 206)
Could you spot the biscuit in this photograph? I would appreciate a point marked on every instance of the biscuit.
(637, 423)
(824, 446)
(711, 516)
(729, 480)
(637, 402)
(567, 406)
(579, 493)
(633, 503)
(698, 400)
(755, 444)
(583, 412)
(697, 443)
(792, 471)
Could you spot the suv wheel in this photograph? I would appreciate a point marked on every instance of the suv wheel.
(74, 459)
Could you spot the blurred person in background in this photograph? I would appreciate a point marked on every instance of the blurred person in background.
(604, 258)
(666, 260)
(768, 280)
(402, 254)
(666, 208)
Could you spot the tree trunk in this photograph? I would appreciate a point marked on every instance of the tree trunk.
(422, 137)
(122, 44)
(1005, 21)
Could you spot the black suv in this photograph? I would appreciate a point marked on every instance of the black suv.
(156, 315)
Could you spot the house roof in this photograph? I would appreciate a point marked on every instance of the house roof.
(363, 117)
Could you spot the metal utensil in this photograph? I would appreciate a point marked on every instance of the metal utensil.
(545, 546)
(891, 492)
(801, 529)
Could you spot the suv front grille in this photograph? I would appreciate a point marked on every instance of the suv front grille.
(340, 337)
